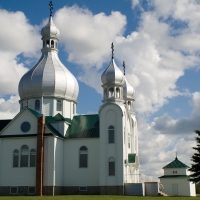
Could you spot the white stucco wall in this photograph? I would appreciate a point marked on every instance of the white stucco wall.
(180, 171)
(111, 114)
(15, 176)
(75, 176)
(183, 186)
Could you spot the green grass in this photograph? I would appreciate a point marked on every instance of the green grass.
(91, 197)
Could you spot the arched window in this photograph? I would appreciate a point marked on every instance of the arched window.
(59, 106)
(32, 157)
(37, 104)
(24, 156)
(73, 109)
(111, 134)
(52, 44)
(15, 158)
(83, 157)
(47, 43)
(129, 142)
(111, 167)
(118, 92)
(111, 92)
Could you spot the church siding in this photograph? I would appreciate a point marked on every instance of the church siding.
(48, 161)
(16, 176)
(58, 162)
(73, 174)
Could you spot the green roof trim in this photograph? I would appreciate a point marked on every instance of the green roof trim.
(56, 118)
(84, 126)
(176, 164)
(131, 157)
(36, 114)
(53, 130)
(174, 176)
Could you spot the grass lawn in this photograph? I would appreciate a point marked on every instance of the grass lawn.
(91, 197)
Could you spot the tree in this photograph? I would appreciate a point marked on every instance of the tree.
(195, 168)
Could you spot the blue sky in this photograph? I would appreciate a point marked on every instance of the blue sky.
(159, 42)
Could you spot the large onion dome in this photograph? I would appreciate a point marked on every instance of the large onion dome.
(49, 77)
(128, 91)
(112, 75)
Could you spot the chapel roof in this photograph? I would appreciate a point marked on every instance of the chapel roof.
(176, 164)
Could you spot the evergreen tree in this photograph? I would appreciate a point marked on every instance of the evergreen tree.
(195, 168)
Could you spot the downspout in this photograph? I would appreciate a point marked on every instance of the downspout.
(40, 155)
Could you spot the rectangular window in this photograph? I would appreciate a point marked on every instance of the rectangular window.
(111, 136)
(24, 161)
(31, 190)
(111, 168)
(13, 190)
(15, 160)
(83, 159)
(32, 160)
(82, 188)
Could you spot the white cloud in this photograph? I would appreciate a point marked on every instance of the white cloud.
(87, 37)
(17, 37)
(9, 108)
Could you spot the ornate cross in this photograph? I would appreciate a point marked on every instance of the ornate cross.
(112, 47)
(50, 7)
(124, 67)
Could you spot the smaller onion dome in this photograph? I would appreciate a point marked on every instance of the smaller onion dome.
(128, 91)
(112, 75)
(50, 29)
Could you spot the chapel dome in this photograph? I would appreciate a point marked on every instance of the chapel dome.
(50, 29)
(112, 75)
(49, 77)
(128, 91)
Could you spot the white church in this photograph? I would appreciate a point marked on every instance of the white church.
(47, 149)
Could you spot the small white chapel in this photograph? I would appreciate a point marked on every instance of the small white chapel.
(47, 149)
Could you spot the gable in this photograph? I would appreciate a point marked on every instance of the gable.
(24, 123)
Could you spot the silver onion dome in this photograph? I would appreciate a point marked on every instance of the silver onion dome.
(128, 91)
(49, 77)
(50, 29)
(112, 75)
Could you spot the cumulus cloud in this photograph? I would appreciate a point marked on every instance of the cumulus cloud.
(17, 37)
(9, 108)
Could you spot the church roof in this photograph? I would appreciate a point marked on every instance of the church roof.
(174, 176)
(84, 126)
(176, 164)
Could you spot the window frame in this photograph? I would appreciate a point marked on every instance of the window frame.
(58, 105)
(111, 166)
(32, 153)
(111, 134)
(14, 154)
(31, 187)
(13, 187)
(83, 150)
(27, 154)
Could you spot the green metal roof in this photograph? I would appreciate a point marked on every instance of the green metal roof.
(57, 118)
(174, 176)
(84, 126)
(131, 157)
(36, 114)
(4, 122)
(176, 164)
